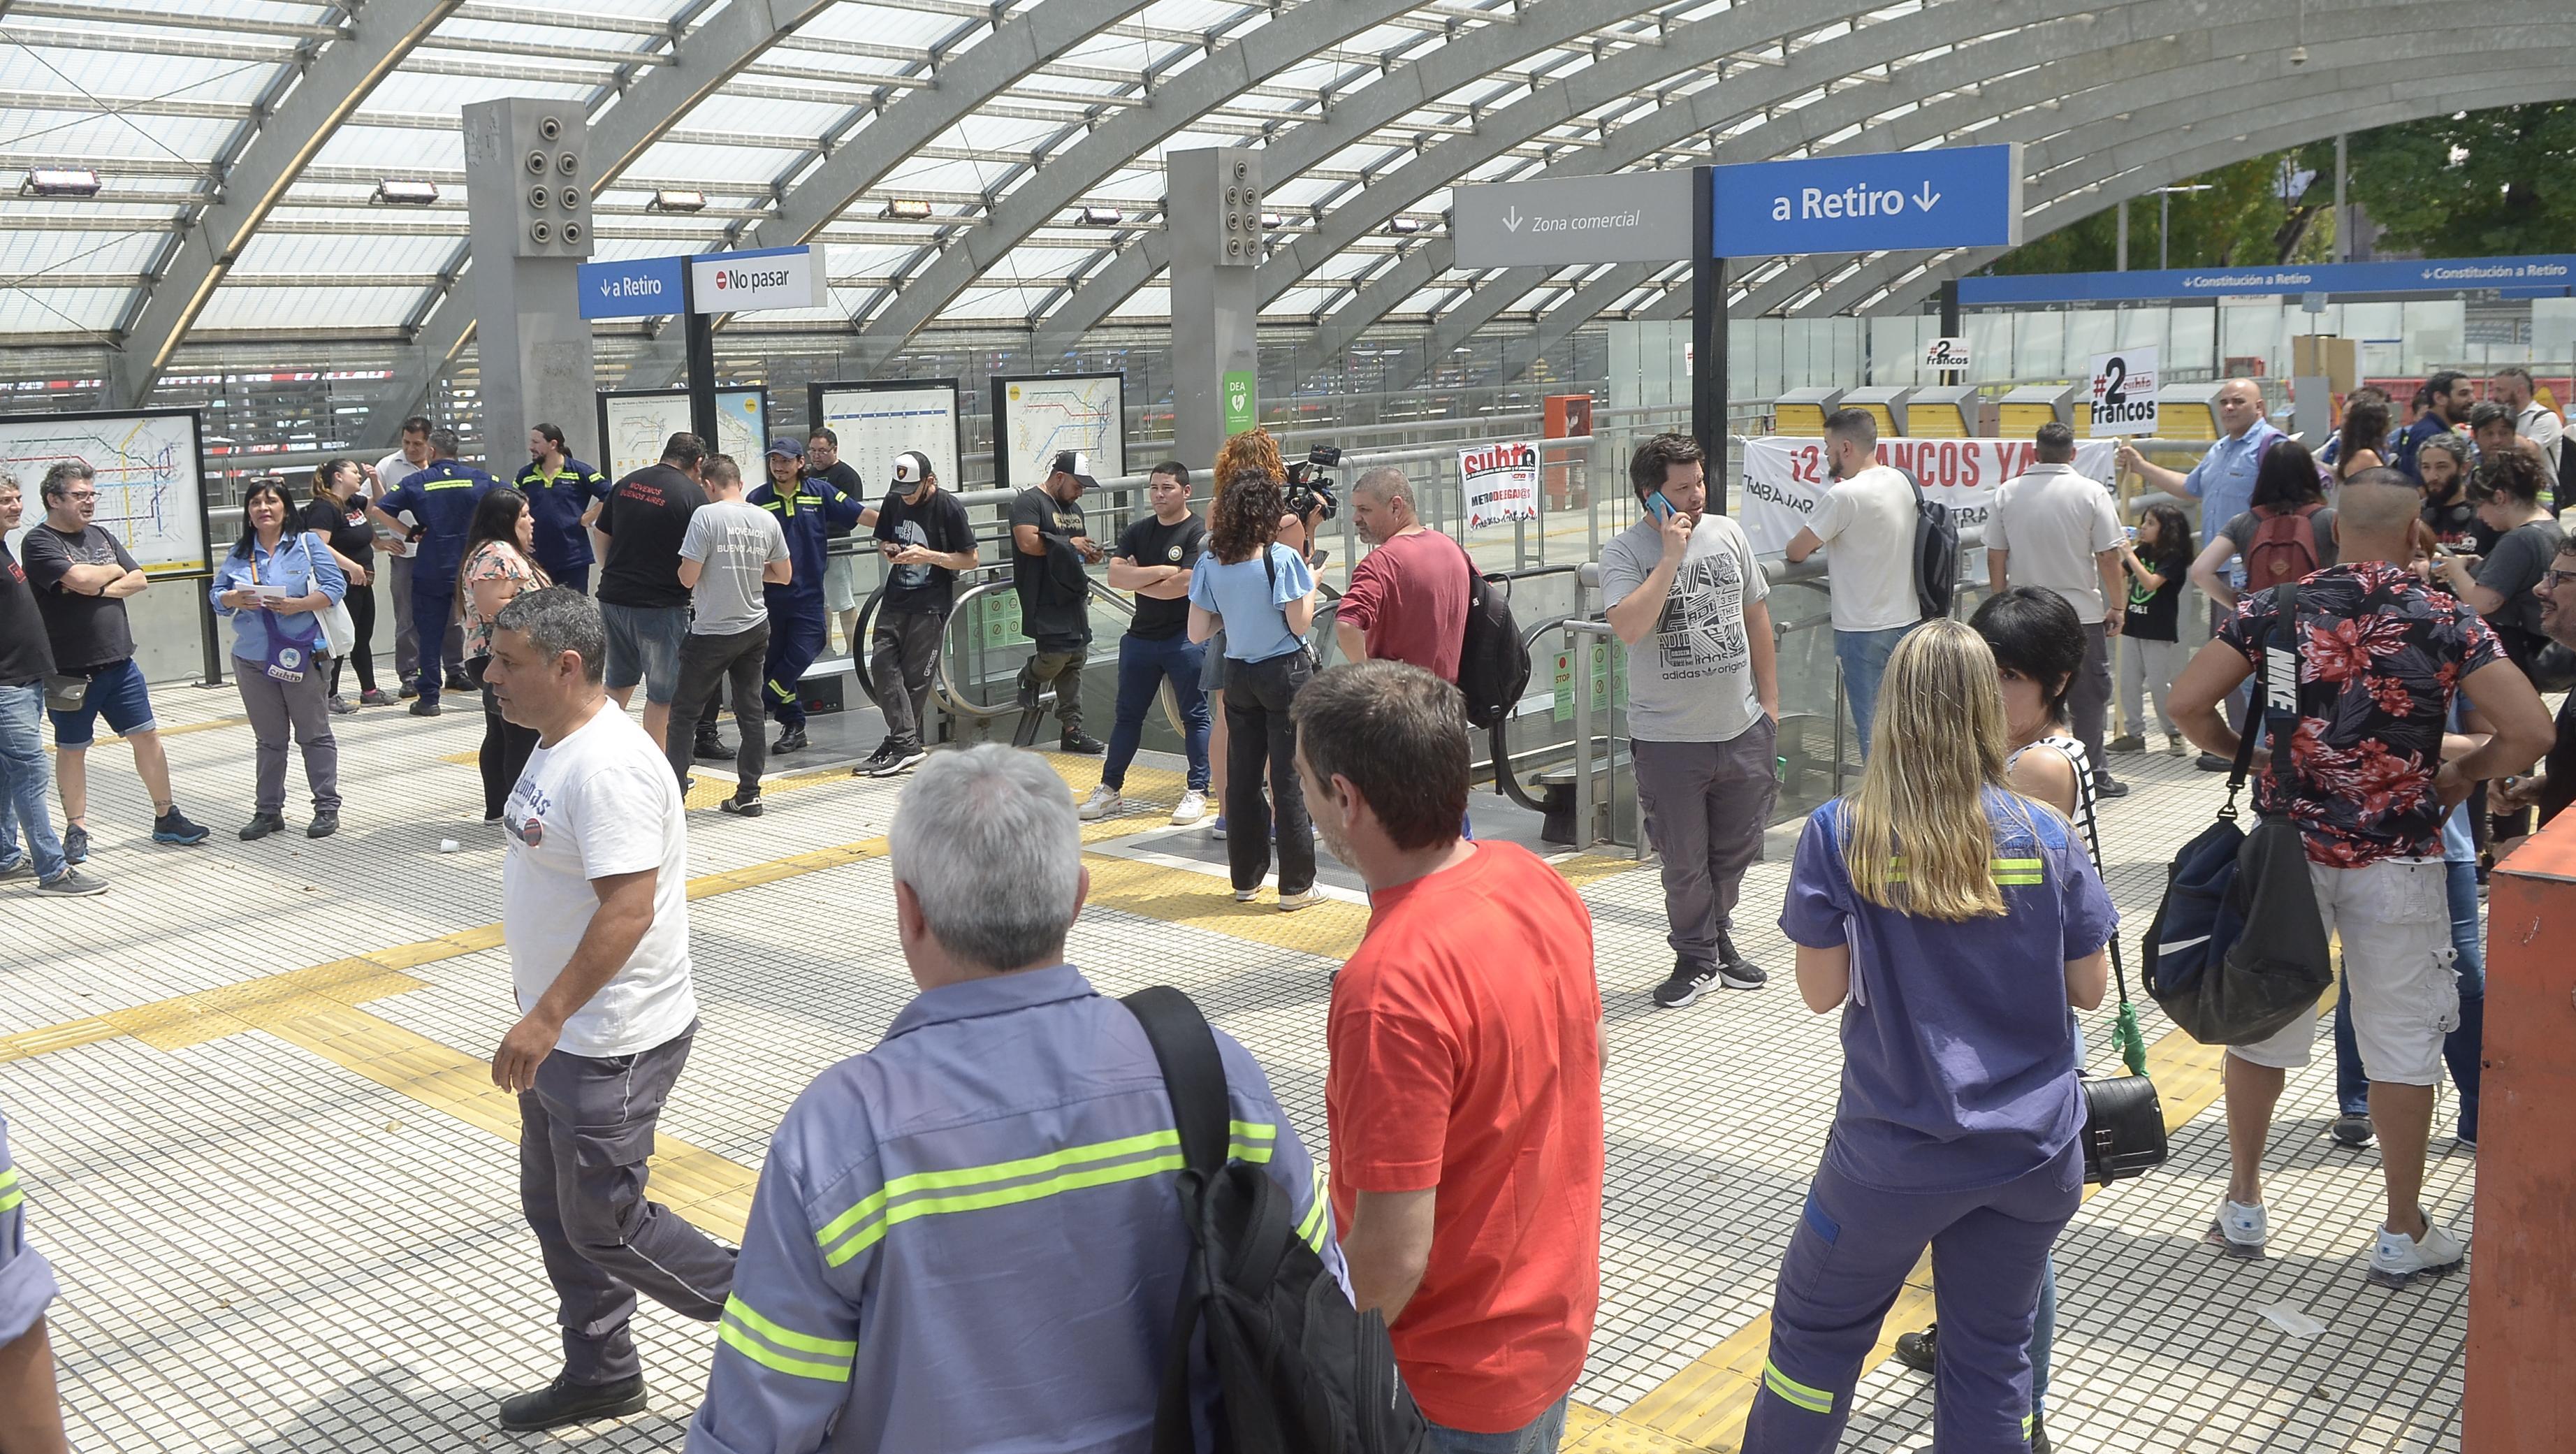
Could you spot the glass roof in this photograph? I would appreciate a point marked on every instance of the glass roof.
(166, 102)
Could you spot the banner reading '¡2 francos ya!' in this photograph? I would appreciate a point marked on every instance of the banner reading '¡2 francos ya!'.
(1784, 480)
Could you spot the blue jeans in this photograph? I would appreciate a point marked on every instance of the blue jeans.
(1539, 1436)
(1863, 658)
(1143, 667)
(2462, 1047)
(23, 775)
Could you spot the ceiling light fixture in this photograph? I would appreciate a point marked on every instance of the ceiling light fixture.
(1101, 217)
(1406, 225)
(403, 192)
(909, 209)
(59, 182)
(670, 200)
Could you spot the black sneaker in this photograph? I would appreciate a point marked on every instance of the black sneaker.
(2039, 1437)
(75, 845)
(260, 826)
(885, 753)
(458, 681)
(410, 689)
(902, 760)
(2111, 787)
(2212, 762)
(1735, 971)
(566, 1402)
(23, 866)
(1075, 742)
(711, 748)
(71, 883)
(2353, 1132)
(424, 708)
(740, 806)
(1686, 985)
(1919, 1351)
(791, 740)
(174, 827)
(326, 821)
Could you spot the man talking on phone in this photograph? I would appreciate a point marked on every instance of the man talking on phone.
(1686, 597)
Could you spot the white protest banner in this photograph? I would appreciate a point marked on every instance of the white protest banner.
(1784, 480)
(1946, 353)
(2124, 392)
(1501, 483)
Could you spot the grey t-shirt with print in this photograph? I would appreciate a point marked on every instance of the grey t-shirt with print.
(1691, 678)
(732, 542)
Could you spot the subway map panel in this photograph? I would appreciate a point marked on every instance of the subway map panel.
(151, 487)
(1040, 416)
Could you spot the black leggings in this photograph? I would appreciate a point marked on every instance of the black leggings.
(504, 753)
(361, 601)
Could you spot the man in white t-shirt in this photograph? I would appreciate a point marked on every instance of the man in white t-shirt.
(595, 912)
(1867, 516)
(2053, 528)
(730, 553)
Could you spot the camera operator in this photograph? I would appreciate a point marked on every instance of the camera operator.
(1310, 500)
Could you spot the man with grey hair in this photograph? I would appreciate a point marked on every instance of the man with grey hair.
(2512, 387)
(595, 911)
(1408, 595)
(996, 1180)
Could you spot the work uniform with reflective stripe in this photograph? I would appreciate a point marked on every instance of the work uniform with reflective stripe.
(442, 498)
(559, 500)
(26, 1282)
(796, 628)
(970, 1237)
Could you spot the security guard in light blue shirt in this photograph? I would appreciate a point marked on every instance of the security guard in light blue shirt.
(810, 508)
(970, 1237)
(442, 498)
(564, 495)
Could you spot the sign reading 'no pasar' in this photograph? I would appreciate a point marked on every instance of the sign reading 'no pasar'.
(1965, 196)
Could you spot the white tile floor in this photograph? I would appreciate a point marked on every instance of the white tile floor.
(262, 1251)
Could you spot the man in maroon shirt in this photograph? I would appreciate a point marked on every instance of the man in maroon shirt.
(1408, 596)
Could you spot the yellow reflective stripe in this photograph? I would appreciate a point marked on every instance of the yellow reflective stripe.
(2006, 872)
(768, 1357)
(1066, 1181)
(785, 1337)
(1312, 1229)
(1813, 1400)
(11, 1194)
(446, 484)
(2027, 1420)
(1249, 1141)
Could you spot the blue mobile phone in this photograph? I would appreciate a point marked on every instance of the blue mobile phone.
(1662, 507)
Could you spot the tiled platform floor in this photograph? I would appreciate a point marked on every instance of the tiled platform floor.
(249, 1093)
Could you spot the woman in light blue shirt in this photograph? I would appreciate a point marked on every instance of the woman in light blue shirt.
(274, 585)
(1263, 595)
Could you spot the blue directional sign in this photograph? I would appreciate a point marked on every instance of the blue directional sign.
(644, 287)
(2547, 274)
(1966, 196)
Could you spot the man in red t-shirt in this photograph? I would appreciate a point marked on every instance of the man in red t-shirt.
(1464, 1096)
(1408, 596)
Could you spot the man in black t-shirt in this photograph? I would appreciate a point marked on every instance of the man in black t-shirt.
(926, 539)
(2554, 786)
(26, 659)
(1154, 559)
(81, 576)
(644, 519)
(1049, 547)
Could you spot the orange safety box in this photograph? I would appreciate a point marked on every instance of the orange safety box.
(1565, 416)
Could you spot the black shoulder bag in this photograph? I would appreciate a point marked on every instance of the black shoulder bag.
(2124, 1120)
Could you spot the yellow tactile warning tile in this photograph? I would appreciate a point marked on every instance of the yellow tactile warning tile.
(231, 1009)
(1588, 1428)
(1707, 1402)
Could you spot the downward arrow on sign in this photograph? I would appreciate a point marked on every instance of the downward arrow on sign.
(1925, 197)
(1512, 220)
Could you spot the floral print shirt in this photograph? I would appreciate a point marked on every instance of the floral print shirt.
(493, 561)
(2381, 655)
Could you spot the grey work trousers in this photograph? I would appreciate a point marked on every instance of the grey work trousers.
(2088, 699)
(902, 655)
(1060, 665)
(1706, 804)
(705, 663)
(585, 1134)
(275, 709)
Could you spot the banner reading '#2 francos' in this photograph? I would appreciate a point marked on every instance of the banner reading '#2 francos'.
(1785, 479)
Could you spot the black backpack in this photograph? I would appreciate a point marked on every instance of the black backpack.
(1299, 1371)
(1493, 661)
(1936, 553)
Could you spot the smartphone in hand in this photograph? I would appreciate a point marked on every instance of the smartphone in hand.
(1662, 508)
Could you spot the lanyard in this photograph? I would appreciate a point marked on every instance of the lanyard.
(272, 555)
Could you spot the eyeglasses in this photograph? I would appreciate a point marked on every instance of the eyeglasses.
(77, 496)
(2558, 580)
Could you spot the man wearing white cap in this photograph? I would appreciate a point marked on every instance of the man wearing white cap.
(926, 539)
(1049, 548)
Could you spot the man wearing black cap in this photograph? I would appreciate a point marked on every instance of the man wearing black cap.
(926, 539)
(1049, 548)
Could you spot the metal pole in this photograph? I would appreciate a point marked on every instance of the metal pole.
(2124, 234)
(1950, 328)
(1578, 667)
(698, 340)
(2343, 229)
(1708, 336)
(2164, 228)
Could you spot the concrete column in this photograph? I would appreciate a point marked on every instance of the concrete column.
(530, 231)
(1212, 212)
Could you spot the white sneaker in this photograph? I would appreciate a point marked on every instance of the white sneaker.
(2397, 1259)
(1245, 896)
(1193, 807)
(2240, 1230)
(1104, 800)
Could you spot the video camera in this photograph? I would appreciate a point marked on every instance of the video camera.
(1308, 489)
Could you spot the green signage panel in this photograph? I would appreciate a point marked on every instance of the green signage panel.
(1242, 404)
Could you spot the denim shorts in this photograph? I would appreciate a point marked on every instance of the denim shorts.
(644, 645)
(115, 692)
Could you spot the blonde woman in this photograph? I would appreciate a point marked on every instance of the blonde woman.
(1953, 922)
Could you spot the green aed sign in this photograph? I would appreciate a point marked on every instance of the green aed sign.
(1242, 409)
